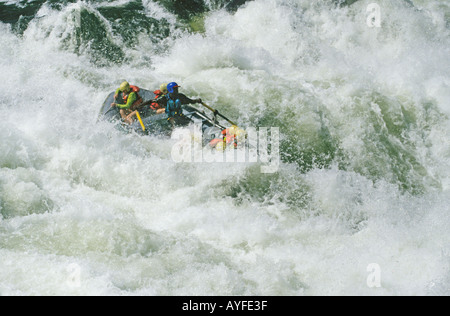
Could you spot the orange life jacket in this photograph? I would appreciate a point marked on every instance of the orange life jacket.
(227, 138)
(155, 105)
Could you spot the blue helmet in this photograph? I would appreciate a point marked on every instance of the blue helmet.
(171, 86)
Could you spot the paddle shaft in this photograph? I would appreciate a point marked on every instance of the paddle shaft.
(112, 108)
(217, 113)
(140, 121)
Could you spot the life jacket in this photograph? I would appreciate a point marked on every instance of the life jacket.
(227, 139)
(173, 107)
(155, 105)
(138, 101)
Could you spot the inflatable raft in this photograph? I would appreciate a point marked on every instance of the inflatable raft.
(150, 123)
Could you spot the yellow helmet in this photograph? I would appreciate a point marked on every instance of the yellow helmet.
(232, 130)
(124, 87)
(163, 88)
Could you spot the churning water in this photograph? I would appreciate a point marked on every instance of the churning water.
(359, 204)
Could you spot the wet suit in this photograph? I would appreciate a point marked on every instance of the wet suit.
(173, 103)
(132, 97)
(127, 102)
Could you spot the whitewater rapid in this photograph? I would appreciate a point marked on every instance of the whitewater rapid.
(359, 204)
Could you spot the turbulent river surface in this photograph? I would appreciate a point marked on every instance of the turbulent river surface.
(359, 203)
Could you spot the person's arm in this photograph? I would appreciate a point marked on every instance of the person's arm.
(115, 97)
(147, 102)
(131, 99)
(116, 94)
(185, 100)
(160, 100)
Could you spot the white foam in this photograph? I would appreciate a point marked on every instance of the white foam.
(122, 218)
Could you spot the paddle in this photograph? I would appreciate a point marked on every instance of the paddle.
(112, 108)
(100, 115)
(217, 113)
(140, 121)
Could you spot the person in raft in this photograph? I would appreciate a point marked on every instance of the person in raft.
(158, 104)
(174, 102)
(128, 100)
